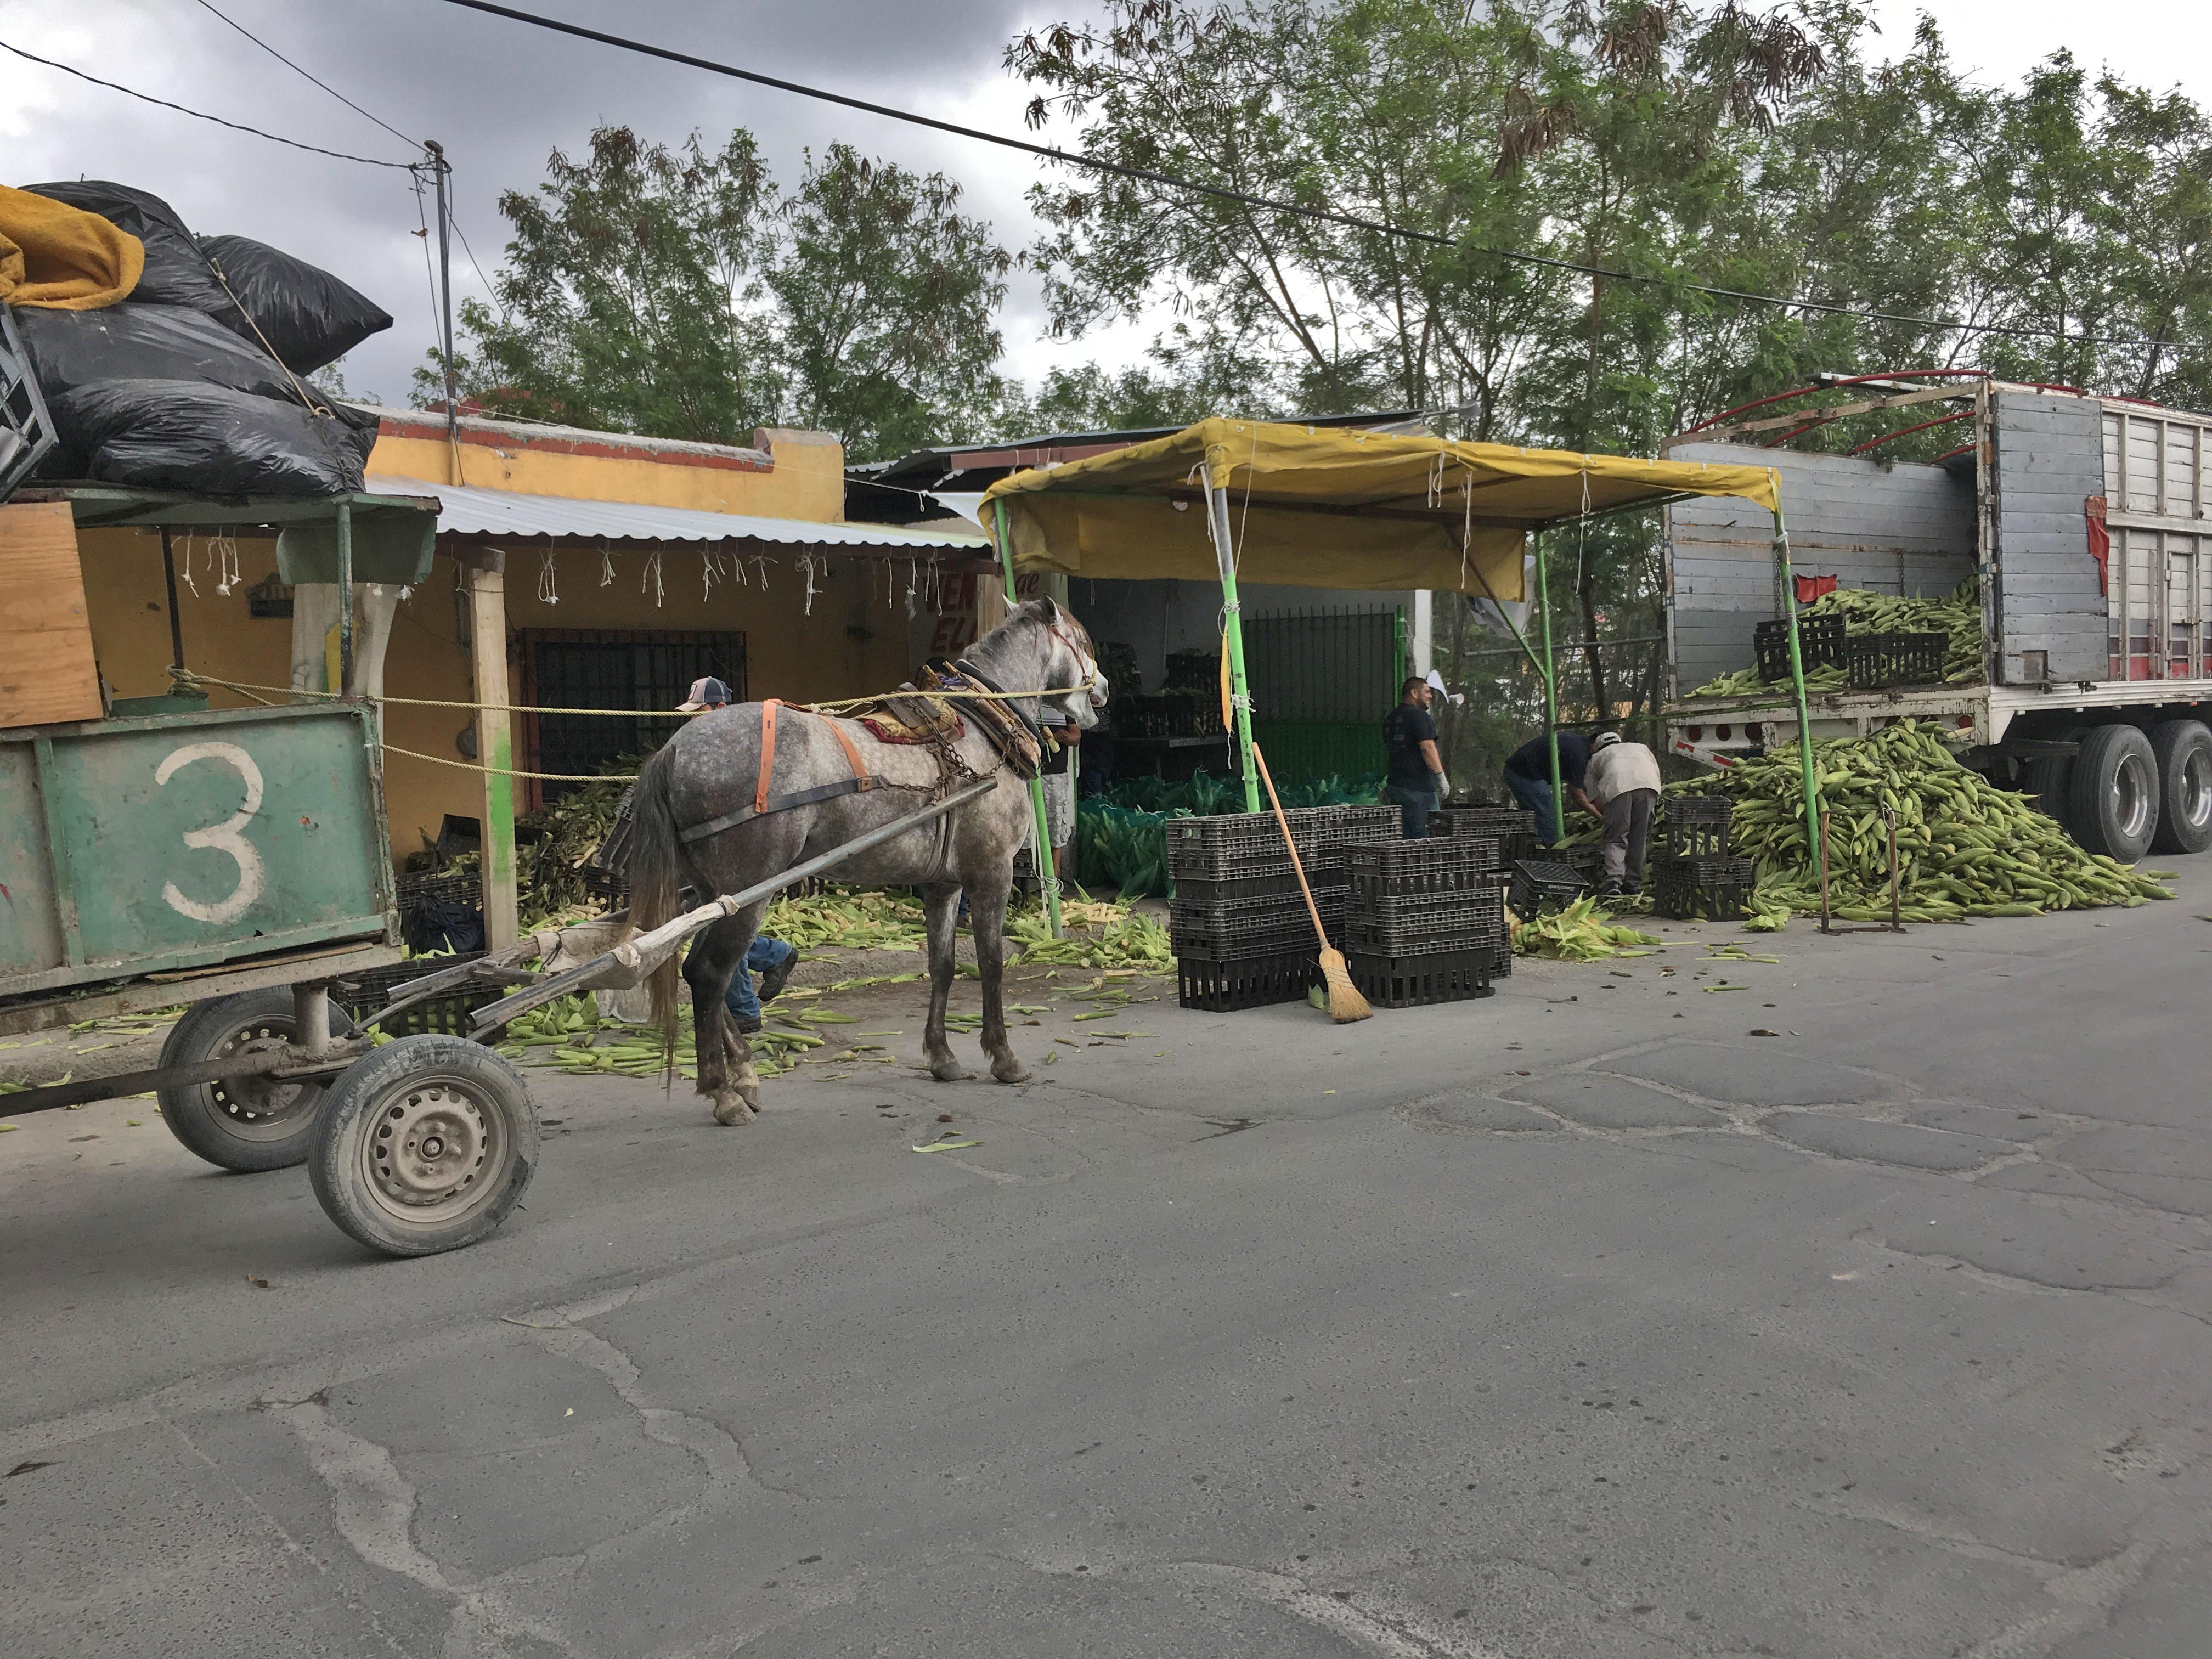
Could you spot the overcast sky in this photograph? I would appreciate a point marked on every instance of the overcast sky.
(500, 96)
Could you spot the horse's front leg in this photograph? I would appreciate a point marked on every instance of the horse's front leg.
(941, 907)
(987, 916)
(725, 1066)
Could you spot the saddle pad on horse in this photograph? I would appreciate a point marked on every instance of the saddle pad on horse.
(914, 720)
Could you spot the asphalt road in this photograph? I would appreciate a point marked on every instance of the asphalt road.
(1578, 1321)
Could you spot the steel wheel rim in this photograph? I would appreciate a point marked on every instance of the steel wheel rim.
(434, 1149)
(2194, 808)
(259, 1108)
(2131, 796)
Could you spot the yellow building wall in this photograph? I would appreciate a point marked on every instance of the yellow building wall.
(854, 641)
(806, 480)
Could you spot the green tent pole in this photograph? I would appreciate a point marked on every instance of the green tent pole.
(1047, 878)
(1806, 767)
(1217, 510)
(1551, 700)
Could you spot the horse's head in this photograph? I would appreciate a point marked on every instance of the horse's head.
(1049, 636)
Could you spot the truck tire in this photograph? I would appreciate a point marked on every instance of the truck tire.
(251, 1123)
(2113, 805)
(2183, 751)
(424, 1145)
(2047, 778)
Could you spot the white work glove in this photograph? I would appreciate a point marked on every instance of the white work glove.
(1442, 785)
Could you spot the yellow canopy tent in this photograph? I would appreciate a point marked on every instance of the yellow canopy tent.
(1315, 506)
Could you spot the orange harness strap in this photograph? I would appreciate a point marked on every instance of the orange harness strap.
(852, 755)
(767, 754)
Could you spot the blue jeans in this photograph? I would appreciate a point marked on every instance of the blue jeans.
(1413, 806)
(1534, 796)
(766, 953)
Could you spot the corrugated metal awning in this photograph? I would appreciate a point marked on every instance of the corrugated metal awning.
(470, 510)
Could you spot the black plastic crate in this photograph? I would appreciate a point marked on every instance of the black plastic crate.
(362, 993)
(1183, 716)
(1467, 925)
(1223, 984)
(1428, 869)
(1214, 890)
(1542, 884)
(1703, 889)
(1412, 981)
(1876, 661)
(441, 910)
(1820, 645)
(1695, 826)
(1512, 829)
(1224, 926)
(1238, 844)
(1194, 671)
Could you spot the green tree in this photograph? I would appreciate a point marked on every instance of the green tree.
(626, 299)
(885, 299)
(675, 292)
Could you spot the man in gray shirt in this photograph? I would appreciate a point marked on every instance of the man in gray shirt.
(1623, 781)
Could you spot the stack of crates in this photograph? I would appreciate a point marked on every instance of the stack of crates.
(1425, 920)
(1242, 936)
(1694, 879)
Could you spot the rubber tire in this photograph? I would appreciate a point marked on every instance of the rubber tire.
(200, 1122)
(2172, 745)
(2090, 816)
(2049, 778)
(356, 1102)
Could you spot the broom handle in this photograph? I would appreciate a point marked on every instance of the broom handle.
(1296, 869)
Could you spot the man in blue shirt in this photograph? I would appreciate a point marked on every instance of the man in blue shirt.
(1528, 776)
(1415, 781)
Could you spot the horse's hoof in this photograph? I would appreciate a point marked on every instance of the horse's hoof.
(950, 1071)
(1011, 1071)
(732, 1108)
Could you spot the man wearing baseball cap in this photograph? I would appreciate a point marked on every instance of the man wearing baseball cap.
(707, 692)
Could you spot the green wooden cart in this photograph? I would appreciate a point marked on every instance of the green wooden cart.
(237, 860)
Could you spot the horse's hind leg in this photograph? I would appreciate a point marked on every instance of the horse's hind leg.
(941, 907)
(987, 914)
(726, 1064)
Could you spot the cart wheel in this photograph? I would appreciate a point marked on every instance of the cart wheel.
(424, 1145)
(247, 1122)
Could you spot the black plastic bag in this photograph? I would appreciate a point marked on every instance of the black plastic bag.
(307, 316)
(211, 440)
(177, 269)
(139, 342)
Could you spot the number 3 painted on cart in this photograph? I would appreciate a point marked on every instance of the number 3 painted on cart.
(223, 837)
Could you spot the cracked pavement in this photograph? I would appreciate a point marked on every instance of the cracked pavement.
(1575, 1323)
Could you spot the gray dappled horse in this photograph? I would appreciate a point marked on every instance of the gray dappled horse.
(711, 770)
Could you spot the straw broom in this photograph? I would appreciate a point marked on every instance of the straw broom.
(1344, 1003)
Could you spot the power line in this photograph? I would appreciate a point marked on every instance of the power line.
(325, 85)
(1324, 215)
(202, 115)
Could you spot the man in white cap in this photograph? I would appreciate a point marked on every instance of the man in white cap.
(1622, 779)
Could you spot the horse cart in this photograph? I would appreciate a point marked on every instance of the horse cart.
(237, 860)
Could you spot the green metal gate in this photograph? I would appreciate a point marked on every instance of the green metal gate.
(1321, 681)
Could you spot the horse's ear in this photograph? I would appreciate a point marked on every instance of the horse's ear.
(1048, 610)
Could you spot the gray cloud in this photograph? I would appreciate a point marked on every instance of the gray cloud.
(500, 97)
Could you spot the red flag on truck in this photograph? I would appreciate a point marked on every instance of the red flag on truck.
(1810, 588)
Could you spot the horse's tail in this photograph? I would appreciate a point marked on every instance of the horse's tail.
(656, 878)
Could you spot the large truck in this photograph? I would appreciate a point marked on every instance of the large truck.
(2089, 522)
